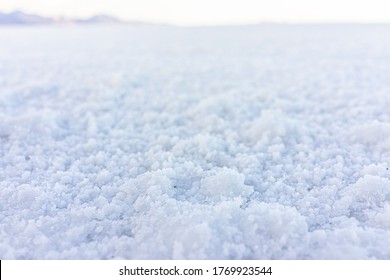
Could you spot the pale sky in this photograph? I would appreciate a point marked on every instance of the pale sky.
(212, 12)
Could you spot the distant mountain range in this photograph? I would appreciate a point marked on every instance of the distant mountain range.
(21, 18)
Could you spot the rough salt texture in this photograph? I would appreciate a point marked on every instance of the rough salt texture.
(263, 142)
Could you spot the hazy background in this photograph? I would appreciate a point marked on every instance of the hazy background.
(211, 12)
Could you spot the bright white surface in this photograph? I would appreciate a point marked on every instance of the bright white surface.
(267, 142)
(211, 12)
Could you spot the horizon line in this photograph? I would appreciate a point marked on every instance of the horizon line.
(123, 21)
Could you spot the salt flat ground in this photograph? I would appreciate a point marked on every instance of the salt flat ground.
(152, 142)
